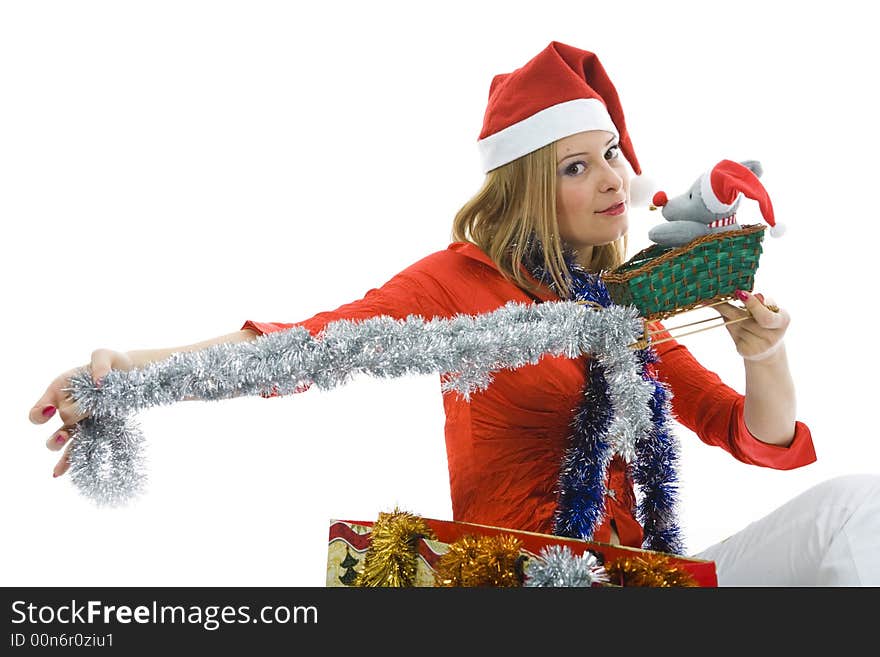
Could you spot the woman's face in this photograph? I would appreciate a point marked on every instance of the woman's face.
(591, 177)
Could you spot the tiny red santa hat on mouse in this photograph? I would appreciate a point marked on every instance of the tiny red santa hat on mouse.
(727, 182)
(561, 91)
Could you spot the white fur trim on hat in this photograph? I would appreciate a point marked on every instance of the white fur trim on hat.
(641, 190)
(542, 128)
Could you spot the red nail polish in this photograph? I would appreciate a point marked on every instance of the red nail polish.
(49, 411)
(742, 296)
(60, 438)
(54, 474)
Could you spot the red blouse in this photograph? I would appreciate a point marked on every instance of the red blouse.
(505, 446)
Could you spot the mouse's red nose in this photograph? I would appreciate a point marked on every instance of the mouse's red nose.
(660, 199)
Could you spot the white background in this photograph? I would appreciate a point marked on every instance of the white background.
(171, 169)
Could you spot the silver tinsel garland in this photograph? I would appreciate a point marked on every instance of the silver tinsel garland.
(106, 459)
(558, 566)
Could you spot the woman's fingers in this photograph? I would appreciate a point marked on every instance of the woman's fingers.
(43, 411)
(729, 311)
(102, 363)
(48, 404)
(63, 463)
(765, 317)
(58, 439)
(69, 413)
(756, 329)
(734, 317)
(57, 402)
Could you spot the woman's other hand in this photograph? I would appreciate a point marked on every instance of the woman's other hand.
(761, 327)
(57, 402)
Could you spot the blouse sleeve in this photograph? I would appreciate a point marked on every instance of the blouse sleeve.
(398, 298)
(714, 411)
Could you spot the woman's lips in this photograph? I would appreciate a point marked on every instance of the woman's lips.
(615, 210)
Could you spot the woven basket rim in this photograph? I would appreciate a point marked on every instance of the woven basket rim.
(614, 277)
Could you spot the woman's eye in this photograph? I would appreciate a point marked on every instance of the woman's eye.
(573, 170)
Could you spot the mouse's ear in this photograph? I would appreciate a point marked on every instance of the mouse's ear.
(754, 166)
(723, 186)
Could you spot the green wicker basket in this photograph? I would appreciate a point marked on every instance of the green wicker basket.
(663, 281)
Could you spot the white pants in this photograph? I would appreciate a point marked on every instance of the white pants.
(828, 535)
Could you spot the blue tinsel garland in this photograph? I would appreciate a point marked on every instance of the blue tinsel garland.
(584, 469)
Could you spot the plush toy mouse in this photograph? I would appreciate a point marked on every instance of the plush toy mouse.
(710, 205)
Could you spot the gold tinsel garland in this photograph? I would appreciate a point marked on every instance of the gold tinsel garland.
(481, 561)
(647, 570)
(392, 556)
(491, 561)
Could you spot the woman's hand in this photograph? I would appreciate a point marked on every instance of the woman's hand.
(758, 334)
(57, 401)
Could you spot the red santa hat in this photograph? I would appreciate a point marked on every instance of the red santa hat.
(723, 185)
(559, 92)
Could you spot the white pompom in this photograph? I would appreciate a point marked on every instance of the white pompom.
(778, 230)
(641, 190)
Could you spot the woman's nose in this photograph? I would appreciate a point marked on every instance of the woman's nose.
(611, 180)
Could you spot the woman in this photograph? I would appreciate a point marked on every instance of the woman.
(551, 213)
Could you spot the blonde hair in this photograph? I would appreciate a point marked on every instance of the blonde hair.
(516, 200)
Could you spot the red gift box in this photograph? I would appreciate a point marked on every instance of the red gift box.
(349, 541)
